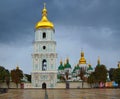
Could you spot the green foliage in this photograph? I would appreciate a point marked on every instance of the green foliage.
(16, 75)
(116, 75)
(101, 73)
(29, 77)
(111, 72)
(91, 79)
(7, 77)
(2, 73)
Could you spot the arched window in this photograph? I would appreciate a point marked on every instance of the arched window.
(44, 35)
(44, 65)
(44, 85)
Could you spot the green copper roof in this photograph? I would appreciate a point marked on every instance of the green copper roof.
(77, 67)
(98, 64)
(74, 70)
(61, 67)
(90, 67)
(67, 65)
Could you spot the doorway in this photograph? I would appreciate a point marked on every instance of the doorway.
(44, 86)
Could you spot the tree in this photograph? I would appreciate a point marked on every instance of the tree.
(111, 71)
(29, 77)
(16, 75)
(91, 79)
(116, 76)
(2, 73)
(7, 77)
(82, 73)
(101, 73)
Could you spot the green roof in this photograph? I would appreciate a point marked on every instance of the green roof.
(61, 67)
(67, 65)
(98, 65)
(74, 70)
(90, 67)
(78, 67)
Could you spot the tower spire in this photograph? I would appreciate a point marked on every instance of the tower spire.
(82, 59)
(98, 62)
(44, 5)
(44, 12)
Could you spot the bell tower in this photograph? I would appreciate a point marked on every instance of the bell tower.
(44, 72)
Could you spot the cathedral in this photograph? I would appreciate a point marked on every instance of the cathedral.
(45, 72)
(66, 73)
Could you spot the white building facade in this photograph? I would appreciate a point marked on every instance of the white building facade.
(44, 73)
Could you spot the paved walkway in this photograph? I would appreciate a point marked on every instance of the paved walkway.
(62, 94)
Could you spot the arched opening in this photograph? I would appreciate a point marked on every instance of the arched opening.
(44, 85)
(44, 35)
(44, 65)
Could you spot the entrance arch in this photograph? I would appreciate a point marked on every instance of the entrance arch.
(44, 85)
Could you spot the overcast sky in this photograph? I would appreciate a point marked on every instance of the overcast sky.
(91, 25)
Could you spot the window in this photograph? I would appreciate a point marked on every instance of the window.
(44, 47)
(44, 35)
(44, 65)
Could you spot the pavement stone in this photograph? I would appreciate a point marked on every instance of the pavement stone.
(61, 94)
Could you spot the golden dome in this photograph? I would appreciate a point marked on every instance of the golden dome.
(82, 59)
(44, 22)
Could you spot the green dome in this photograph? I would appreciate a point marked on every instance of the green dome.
(61, 67)
(77, 67)
(90, 67)
(74, 70)
(67, 65)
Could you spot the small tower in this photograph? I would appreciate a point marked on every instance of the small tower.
(82, 61)
(89, 69)
(98, 61)
(61, 68)
(118, 64)
(44, 73)
(61, 73)
(67, 66)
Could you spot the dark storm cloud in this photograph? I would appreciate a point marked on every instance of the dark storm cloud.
(18, 15)
(93, 25)
(97, 21)
(88, 12)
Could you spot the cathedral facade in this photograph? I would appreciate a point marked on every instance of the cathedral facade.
(44, 73)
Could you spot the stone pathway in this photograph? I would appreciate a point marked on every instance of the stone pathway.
(62, 94)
